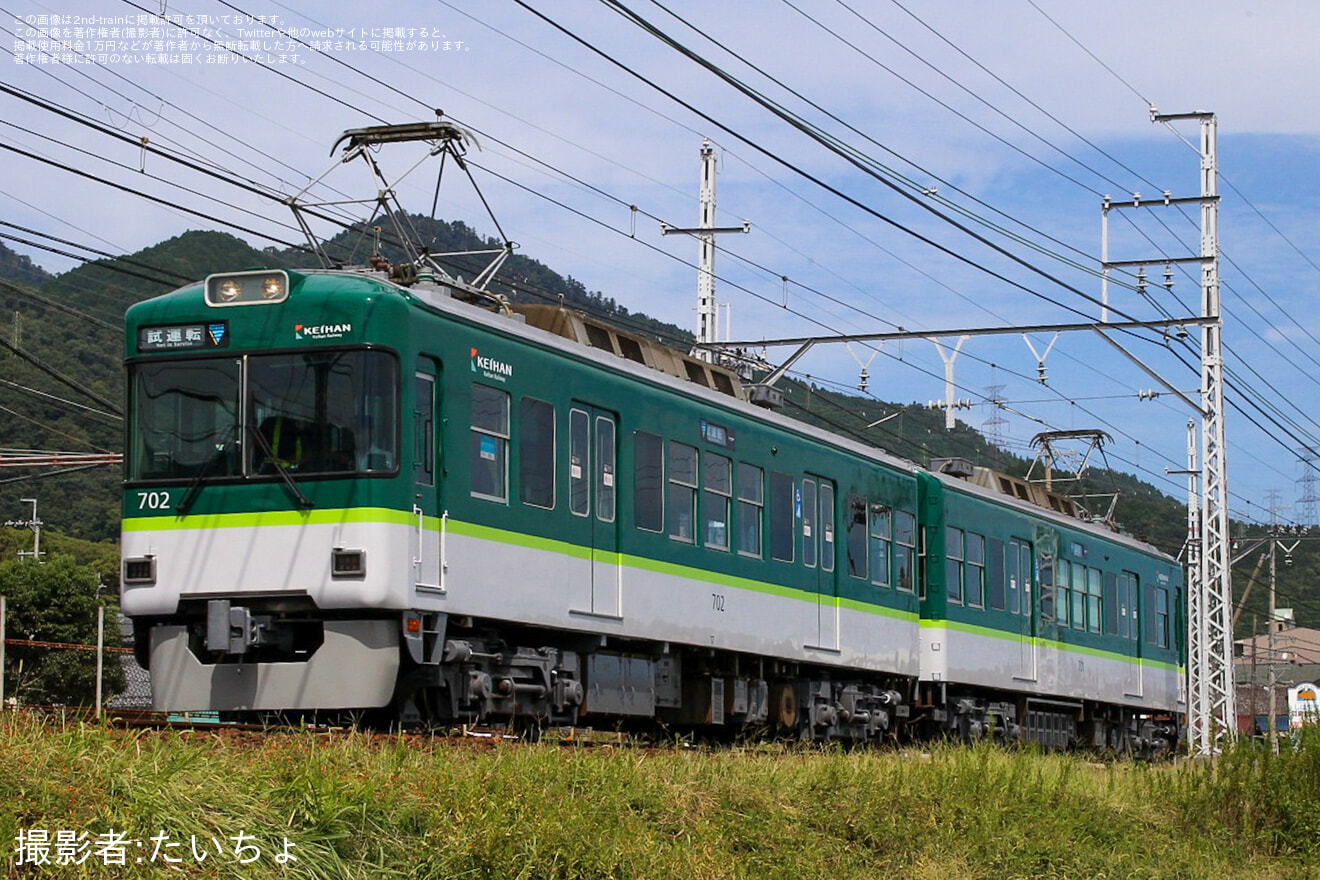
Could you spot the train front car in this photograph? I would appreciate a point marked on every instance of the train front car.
(264, 525)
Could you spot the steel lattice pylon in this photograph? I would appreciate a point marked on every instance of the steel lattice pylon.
(1212, 709)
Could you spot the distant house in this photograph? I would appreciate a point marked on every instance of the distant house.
(1284, 656)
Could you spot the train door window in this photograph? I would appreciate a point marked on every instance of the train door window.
(1093, 600)
(1127, 605)
(751, 507)
(1014, 579)
(827, 550)
(1027, 565)
(579, 463)
(857, 558)
(490, 443)
(781, 517)
(878, 550)
(953, 564)
(995, 576)
(648, 482)
(1078, 613)
(905, 548)
(717, 490)
(536, 453)
(606, 490)
(1162, 617)
(809, 523)
(424, 430)
(975, 572)
(1062, 575)
(682, 500)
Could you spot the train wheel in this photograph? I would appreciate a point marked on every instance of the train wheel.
(784, 704)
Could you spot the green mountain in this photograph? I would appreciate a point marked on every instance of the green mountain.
(17, 267)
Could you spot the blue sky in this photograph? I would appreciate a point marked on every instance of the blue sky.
(1020, 112)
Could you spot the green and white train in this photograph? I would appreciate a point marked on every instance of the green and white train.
(347, 495)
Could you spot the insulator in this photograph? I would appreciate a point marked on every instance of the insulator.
(1168, 276)
(1141, 281)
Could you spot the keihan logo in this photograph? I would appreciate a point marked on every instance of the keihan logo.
(321, 331)
(490, 367)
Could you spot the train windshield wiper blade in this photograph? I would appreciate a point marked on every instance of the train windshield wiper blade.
(199, 479)
(267, 451)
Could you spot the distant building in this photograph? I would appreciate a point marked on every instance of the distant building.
(1287, 657)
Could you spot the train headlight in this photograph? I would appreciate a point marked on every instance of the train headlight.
(246, 288)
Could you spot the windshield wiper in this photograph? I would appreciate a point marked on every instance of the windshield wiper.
(199, 479)
(269, 453)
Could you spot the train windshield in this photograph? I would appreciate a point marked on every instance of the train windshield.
(185, 419)
(323, 412)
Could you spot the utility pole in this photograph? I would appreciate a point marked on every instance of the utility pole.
(1210, 633)
(705, 232)
(35, 525)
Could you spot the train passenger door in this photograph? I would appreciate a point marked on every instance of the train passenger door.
(818, 552)
(429, 523)
(1128, 588)
(1021, 563)
(593, 449)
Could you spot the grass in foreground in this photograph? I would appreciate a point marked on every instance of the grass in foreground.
(357, 806)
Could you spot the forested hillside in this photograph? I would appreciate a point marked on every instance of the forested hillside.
(65, 395)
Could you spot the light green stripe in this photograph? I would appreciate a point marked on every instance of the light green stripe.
(328, 516)
(1064, 647)
(641, 563)
(517, 539)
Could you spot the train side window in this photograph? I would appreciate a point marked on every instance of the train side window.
(490, 443)
(809, 536)
(682, 500)
(1078, 596)
(423, 430)
(905, 547)
(718, 488)
(953, 564)
(879, 545)
(995, 577)
(857, 558)
(827, 552)
(1162, 617)
(605, 469)
(975, 571)
(536, 453)
(648, 482)
(579, 463)
(1046, 575)
(751, 507)
(781, 517)
(1062, 580)
(1093, 600)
